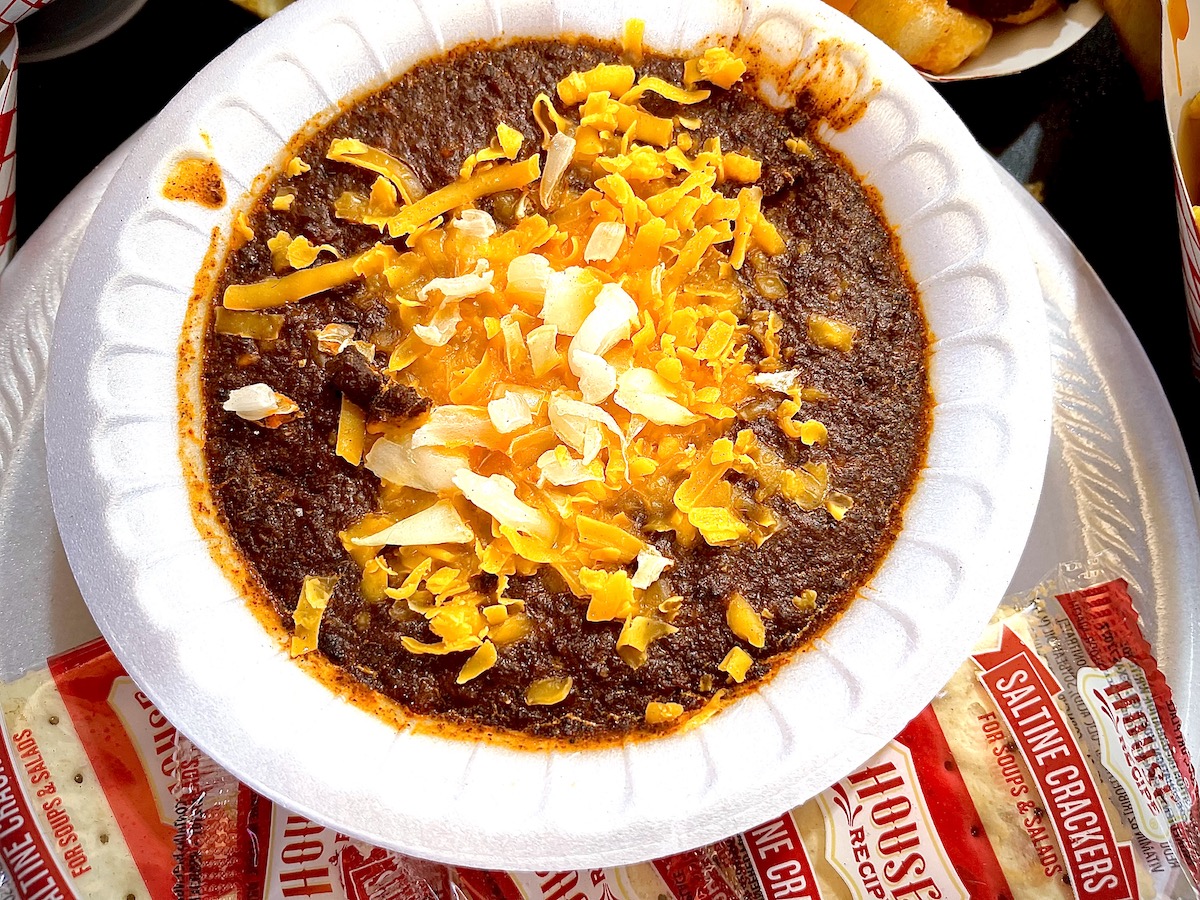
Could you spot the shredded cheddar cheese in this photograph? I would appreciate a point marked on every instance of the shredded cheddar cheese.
(658, 713)
(588, 360)
(296, 166)
(717, 66)
(631, 40)
(736, 664)
(745, 622)
(351, 432)
(548, 691)
(314, 597)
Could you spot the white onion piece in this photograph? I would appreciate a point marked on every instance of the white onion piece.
(475, 223)
(439, 524)
(514, 341)
(597, 379)
(636, 424)
(334, 338)
(610, 321)
(529, 274)
(580, 425)
(650, 566)
(424, 468)
(646, 393)
(510, 413)
(457, 426)
(461, 286)
(605, 241)
(497, 496)
(255, 402)
(543, 349)
(561, 469)
(534, 398)
(781, 382)
(441, 327)
(558, 157)
(569, 298)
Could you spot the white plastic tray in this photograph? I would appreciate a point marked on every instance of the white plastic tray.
(184, 632)
(1118, 477)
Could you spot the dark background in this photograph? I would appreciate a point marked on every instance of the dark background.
(1078, 124)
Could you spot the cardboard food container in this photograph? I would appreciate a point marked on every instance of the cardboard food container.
(1181, 84)
(8, 117)
(11, 12)
(190, 640)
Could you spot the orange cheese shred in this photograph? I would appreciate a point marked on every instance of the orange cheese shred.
(352, 431)
(291, 287)
(504, 177)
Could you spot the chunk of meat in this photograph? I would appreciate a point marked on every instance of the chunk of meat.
(373, 390)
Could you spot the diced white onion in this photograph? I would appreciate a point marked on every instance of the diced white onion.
(334, 338)
(461, 286)
(782, 382)
(424, 468)
(605, 241)
(580, 425)
(646, 393)
(255, 402)
(442, 327)
(514, 341)
(570, 297)
(650, 566)
(510, 413)
(543, 350)
(534, 398)
(439, 524)
(597, 379)
(560, 468)
(496, 496)
(475, 223)
(529, 274)
(457, 426)
(610, 321)
(558, 157)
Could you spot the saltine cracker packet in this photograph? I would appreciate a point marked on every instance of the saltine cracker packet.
(1052, 765)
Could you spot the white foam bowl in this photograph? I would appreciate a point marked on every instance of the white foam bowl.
(186, 635)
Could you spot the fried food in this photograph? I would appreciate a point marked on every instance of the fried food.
(929, 34)
(1010, 12)
(1035, 11)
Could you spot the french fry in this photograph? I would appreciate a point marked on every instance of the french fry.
(929, 34)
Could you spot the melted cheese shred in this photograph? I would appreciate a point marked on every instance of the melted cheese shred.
(587, 367)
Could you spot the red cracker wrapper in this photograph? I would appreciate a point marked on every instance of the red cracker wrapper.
(1051, 765)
